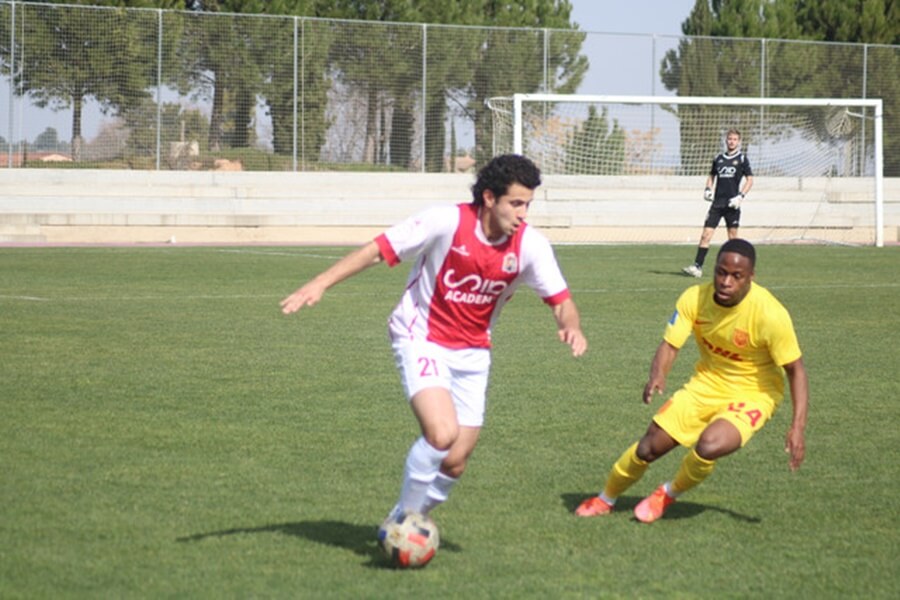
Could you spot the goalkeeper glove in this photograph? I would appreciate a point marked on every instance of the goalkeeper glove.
(736, 201)
(708, 195)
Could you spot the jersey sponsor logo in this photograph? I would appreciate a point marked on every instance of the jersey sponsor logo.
(727, 171)
(510, 263)
(741, 338)
(721, 351)
(472, 289)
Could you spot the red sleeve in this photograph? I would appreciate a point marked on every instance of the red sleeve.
(387, 251)
(558, 299)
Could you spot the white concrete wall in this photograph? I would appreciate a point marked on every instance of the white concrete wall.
(102, 206)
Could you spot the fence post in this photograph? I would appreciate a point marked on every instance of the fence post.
(424, 95)
(159, 34)
(294, 116)
(12, 85)
(546, 84)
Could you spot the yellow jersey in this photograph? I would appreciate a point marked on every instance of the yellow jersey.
(742, 347)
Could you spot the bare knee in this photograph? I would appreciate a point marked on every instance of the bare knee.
(441, 435)
(454, 469)
(718, 441)
(456, 460)
(655, 443)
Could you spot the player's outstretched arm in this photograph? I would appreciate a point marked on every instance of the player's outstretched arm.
(662, 363)
(568, 323)
(795, 441)
(312, 291)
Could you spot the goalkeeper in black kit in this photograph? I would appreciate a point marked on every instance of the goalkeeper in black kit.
(732, 176)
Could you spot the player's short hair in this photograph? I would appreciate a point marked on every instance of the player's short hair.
(739, 246)
(503, 171)
(734, 131)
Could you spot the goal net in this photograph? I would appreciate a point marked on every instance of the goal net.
(633, 168)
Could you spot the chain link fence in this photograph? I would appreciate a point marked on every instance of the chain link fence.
(102, 87)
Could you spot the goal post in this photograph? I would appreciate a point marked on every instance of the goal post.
(817, 162)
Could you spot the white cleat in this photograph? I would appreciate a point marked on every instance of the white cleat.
(693, 271)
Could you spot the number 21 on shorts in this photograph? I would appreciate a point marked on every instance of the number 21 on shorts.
(428, 367)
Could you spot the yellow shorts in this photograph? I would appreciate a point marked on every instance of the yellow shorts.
(687, 413)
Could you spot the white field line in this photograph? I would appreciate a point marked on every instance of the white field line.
(576, 291)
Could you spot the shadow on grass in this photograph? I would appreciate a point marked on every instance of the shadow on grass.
(680, 510)
(359, 539)
(679, 274)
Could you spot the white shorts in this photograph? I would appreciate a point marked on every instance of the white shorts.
(464, 373)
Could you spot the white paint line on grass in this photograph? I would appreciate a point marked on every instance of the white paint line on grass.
(24, 298)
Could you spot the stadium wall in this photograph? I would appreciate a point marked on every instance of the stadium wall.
(75, 206)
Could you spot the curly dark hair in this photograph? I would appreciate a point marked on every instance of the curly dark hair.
(501, 172)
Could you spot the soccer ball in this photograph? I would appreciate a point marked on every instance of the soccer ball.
(409, 539)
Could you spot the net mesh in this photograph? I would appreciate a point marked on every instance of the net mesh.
(813, 166)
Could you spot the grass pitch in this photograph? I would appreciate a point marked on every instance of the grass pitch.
(166, 432)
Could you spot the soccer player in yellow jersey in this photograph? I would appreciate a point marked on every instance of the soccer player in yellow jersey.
(747, 344)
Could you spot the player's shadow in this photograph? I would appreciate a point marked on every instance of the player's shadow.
(675, 274)
(680, 510)
(359, 539)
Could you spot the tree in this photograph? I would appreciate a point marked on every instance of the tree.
(46, 140)
(239, 58)
(866, 21)
(178, 125)
(512, 60)
(72, 57)
(707, 65)
(874, 22)
(464, 66)
(595, 148)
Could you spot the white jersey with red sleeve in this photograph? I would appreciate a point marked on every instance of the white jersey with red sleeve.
(460, 281)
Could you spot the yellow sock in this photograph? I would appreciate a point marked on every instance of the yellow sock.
(628, 469)
(693, 471)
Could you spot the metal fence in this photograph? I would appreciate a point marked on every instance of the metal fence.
(154, 89)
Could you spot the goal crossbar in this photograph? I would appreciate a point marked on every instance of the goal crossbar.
(875, 104)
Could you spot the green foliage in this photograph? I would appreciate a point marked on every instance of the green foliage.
(512, 61)
(595, 148)
(166, 432)
(867, 21)
(705, 66)
(499, 62)
(176, 123)
(72, 57)
(46, 140)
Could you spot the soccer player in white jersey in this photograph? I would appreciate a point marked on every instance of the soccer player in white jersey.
(747, 346)
(467, 261)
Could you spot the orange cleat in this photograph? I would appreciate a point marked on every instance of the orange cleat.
(653, 506)
(593, 507)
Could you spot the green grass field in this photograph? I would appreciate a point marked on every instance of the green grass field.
(166, 432)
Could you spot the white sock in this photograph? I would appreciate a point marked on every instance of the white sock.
(669, 491)
(438, 491)
(607, 499)
(422, 465)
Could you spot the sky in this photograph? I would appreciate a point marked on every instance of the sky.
(662, 17)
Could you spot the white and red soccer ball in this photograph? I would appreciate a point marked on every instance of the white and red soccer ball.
(409, 539)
